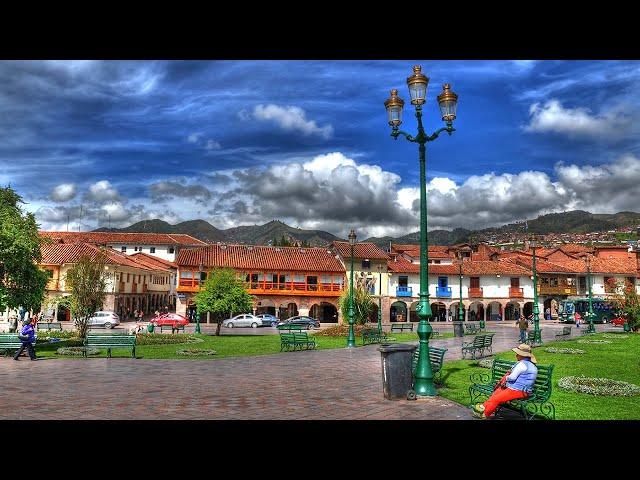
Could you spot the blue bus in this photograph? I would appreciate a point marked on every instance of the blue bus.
(603, 311)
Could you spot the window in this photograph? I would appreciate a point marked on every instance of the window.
(366, 264)
(171, 250)
(571, 282)
(475, 282)
(49, 273)
(582, 283)
(403, 280)
(515, 282)
(152, 250)
(123, 249)
(553, 282)
(443, 282)
(128, 274)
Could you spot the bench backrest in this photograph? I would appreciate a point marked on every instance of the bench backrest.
(9, 338)
(436, 356)
(487, 339)
(287, 337)
(301, 337)
(479, 340)
(542, 386)
(290, 327)
(110, 340)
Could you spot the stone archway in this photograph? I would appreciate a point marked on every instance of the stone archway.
(476, 311)
(287, 310)
(373, 314)
(527, 309)
(398, 311)
(325, 312)
(438, 312)
(455, 314)
(494, 311)
(266, 305)
(512, 311)
(413, 312)
(552, 304)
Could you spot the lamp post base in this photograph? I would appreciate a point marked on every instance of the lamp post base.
(458, 329)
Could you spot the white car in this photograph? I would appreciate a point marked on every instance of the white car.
(106, 319)
(242, 320)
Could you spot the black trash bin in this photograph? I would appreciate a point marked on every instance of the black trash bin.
(397, 377)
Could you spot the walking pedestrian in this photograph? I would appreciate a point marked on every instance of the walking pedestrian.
(28, 338)
(523, 324)
(578, 317)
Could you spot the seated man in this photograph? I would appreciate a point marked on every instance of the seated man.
(515, 384)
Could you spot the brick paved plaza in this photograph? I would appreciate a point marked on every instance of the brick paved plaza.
(318, 385)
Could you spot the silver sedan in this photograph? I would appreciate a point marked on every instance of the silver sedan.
(242, 320)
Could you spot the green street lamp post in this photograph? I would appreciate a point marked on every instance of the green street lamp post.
(200, 269)
(591, 328)
(458, 330)
(536, 311)
(380, 268)
(448, 102)
(351, 339)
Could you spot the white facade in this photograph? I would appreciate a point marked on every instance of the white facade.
(166, 252)
(492, 286)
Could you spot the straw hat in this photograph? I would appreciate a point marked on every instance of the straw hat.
(524, 350)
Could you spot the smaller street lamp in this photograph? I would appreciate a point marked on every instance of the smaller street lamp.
(536, 312)
(351, 339)
(591, 328)
(458, 330)
(200, 269)
(380, 269)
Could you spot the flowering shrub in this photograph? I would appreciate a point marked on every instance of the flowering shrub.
(594, 341)
(614, 335)
(161, 339)
(570, 351)
(77, 351)
(341, 330)
(599, 386)
(47, 334)
(195, 351)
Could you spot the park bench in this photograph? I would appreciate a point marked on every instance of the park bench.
(471, 328)
(401, 327)
(480, 343)
(9, 342)
(371, 335)
(296, 340)
(49, 326)
(111, 341)
(436, 356)
(290, 327)
(586, 331)
(171, 327)
(531, 337)
(566, 331)
(537, 404)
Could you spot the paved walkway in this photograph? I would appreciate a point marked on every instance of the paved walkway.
(318, 385)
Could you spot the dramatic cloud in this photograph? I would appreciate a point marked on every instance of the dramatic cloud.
(102, 191)
(553, 117)
(168, 189)
(63, 192)
(290, 118)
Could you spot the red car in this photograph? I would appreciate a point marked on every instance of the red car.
(618, 322)
(170, 319)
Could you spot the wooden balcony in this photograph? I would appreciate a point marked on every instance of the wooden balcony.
(475, 292)
(516, 292)
(121, 287)
(134, 288)
(144, 288)
(558, 290)
(274, 288)
(53, 284)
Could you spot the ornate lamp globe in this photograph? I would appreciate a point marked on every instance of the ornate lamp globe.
(352, 237)
(417, 84)
(394, 105)
(448, 102)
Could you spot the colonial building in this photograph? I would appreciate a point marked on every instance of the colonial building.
(162, 245)
(285, 281)
(130, 283)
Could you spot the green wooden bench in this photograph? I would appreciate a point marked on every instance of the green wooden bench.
(471, 328)
(290, 327)
(401, 327)
(9, 342)
(171, 327)
(296, 341)
(537, 404)
(566, 331)
(586, 330)
(111, 341)
(49, 326)
(479, 344)
(371, 335)
(436, 356)
(531, 338)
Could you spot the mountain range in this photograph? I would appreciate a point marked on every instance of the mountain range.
(575, 221)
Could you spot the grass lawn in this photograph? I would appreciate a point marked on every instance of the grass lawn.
(224, 345)
(617, 360)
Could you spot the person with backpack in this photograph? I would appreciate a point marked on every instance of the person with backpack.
(28, 338)
(523, 324)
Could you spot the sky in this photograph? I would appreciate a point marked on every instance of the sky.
(108, 143)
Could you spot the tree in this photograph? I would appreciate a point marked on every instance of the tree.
(626, 301)
(22, 283)
(223, 294)
(362, 303)
(87, 282)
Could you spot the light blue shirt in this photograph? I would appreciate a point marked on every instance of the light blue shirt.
(523, 376)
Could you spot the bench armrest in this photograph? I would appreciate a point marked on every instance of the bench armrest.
(479, 377)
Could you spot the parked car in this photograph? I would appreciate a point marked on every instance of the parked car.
(618, 321)
(242, 320)
(170, 319)
(268, 320)
(107, 319)
(301, 320)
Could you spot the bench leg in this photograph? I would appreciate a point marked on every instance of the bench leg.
(108, 353)
(133, 352)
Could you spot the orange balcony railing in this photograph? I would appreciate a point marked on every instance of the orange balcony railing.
(134, 288)
(276, 288)
(475, 292)
(517, 292)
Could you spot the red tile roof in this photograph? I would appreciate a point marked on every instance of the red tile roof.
(311, 259)
(152, 261)
(61, 253)
(474, 268)
(360, 250)
(435, 251)
(104, 238)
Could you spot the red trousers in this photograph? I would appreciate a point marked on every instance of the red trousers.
(501, 395)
